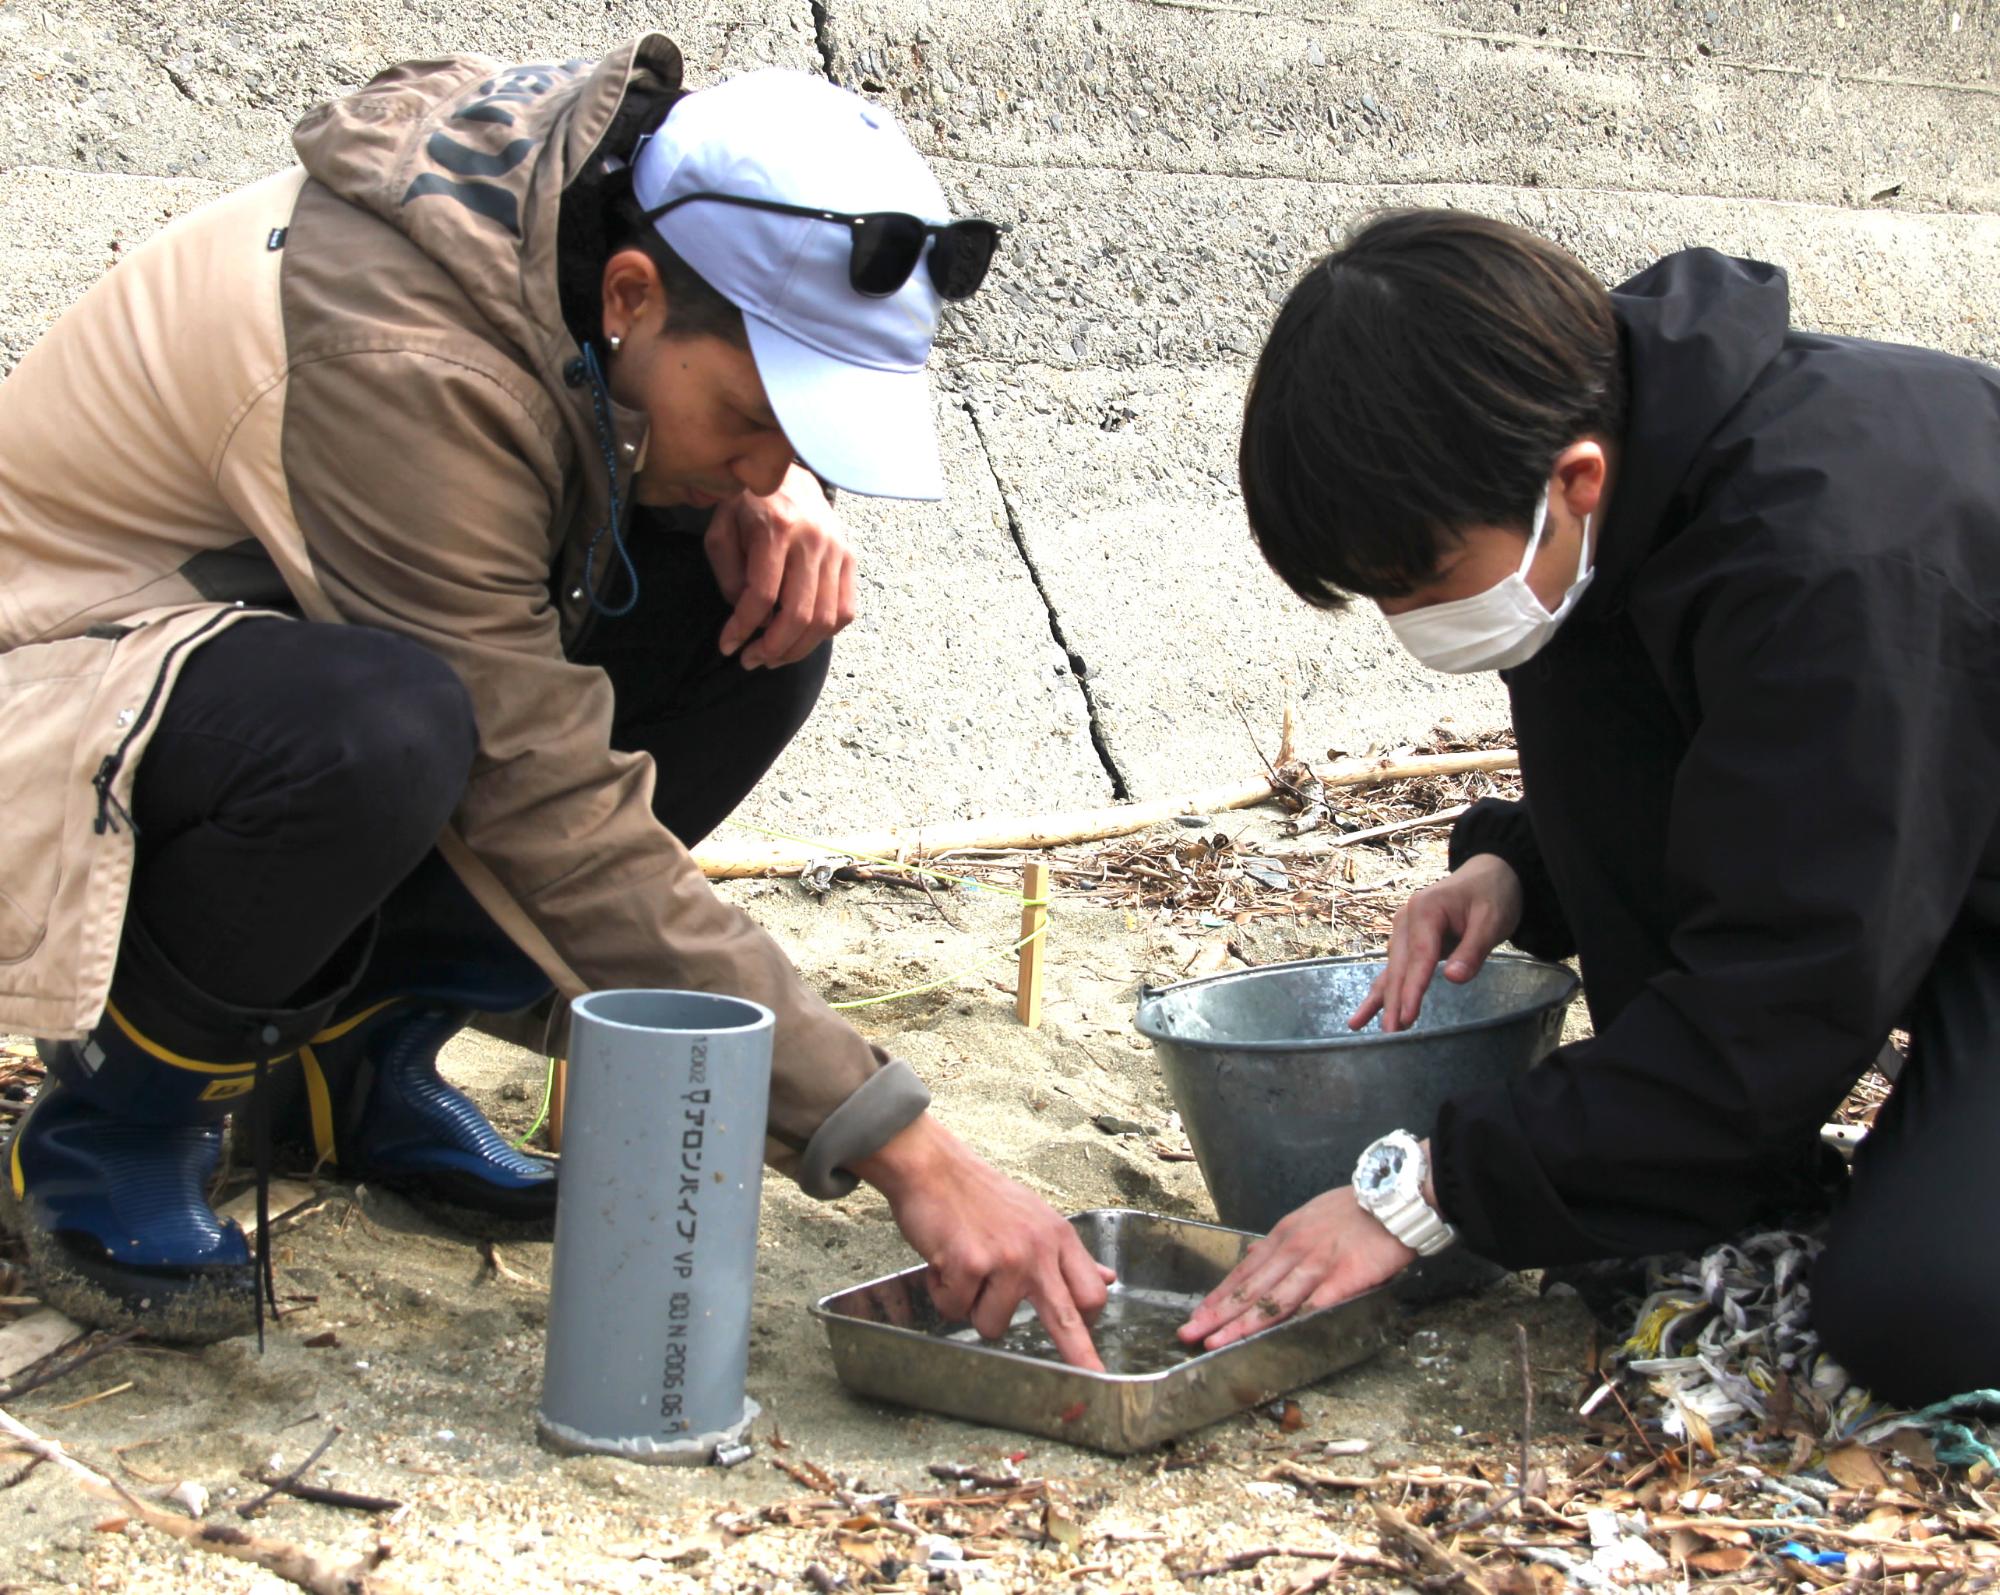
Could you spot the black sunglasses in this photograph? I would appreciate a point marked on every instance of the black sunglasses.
(887, 244)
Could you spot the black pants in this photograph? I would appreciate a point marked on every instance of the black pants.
(300, 771)
(1907, 1293)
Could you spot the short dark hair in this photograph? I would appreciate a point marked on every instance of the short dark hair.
(1419, 380)
(599, 217)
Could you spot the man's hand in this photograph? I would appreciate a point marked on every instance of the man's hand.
(1321, 1253)
(990, 1243)
(785, 563)
(1472, 910)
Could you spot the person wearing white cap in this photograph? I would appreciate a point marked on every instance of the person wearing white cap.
(424, 582)
(838, 313)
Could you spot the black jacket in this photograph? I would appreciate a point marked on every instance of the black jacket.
(1761, 762)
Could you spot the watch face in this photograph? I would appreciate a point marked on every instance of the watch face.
(1379, 1167)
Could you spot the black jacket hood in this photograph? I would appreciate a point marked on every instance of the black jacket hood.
(1695, 331)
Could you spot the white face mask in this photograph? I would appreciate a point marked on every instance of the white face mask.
(1495, 630)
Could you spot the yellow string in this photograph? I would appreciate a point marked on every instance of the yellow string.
(920, 869)
(946, 980)
(548, 1095)
(548, 1086)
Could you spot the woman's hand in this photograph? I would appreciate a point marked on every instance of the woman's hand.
(785, 563)
(1471, 911)
(1321, 1253)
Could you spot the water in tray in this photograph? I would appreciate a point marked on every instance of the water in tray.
(1134, 1334)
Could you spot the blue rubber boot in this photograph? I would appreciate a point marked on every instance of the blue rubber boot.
(379, 1110)
(108, 1172)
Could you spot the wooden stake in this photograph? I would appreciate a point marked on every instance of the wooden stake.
(558, 1090)
(1034, 918)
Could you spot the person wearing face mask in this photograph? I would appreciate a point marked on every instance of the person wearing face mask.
(1737, 577)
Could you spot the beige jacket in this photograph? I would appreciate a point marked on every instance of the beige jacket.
(348, 390)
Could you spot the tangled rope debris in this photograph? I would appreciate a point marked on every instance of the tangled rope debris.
(1727, 1343)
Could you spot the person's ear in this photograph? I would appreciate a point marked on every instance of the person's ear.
(632, 293)
(1582, 475)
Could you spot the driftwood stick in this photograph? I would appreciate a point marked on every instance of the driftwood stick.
(1237, 1561)
(250, 1509)
(1421, 822)
(721, 861)
(1026, 1490)
(1341, 1555)
(1319, 1479)
(92, 1400)
(810, 1474)
(1522, 1487)
(1527, 1415)
(325, 1495)
(958, 1473)
(286, 1561)
(62, 1370)
(1428, 1550)
(1284, 745)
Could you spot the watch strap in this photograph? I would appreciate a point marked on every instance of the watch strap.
(1418, 1226)
(1409, 1218)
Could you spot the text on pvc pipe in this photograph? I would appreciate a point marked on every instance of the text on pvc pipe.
(687, 1225)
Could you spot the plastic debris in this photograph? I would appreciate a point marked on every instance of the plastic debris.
(1719, 1335)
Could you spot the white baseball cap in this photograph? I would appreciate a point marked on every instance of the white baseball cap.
(844, 371)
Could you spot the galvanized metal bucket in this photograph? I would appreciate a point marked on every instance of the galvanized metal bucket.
(1279, 1097)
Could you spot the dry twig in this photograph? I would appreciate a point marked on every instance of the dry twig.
(1431, 1552)
(52, 1371)
(719, 860)
(1340, 1555)
(289, 1562)
(508, 1272)
(323, 1495)
(810, 1474)
(92, 1400)
(1416, 822)
(250, 1509)
(1522, 1484)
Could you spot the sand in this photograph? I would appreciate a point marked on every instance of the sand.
(429, 1357)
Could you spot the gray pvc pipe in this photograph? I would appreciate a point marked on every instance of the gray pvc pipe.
(656, 1225)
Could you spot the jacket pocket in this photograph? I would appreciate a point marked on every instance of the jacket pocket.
(21, 932)
(49, 703)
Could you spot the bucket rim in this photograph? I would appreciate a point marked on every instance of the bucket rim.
(1150, 995)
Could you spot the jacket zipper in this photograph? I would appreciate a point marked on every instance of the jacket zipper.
(109, 810)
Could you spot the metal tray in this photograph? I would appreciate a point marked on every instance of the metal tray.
(889, 1341)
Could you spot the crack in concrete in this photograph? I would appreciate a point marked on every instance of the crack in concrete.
(823, 38)
(1078, 668)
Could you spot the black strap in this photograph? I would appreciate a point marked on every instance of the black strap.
(260, 1153)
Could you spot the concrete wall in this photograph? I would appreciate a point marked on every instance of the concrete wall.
(1085, 615)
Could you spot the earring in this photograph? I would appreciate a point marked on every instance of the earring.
(616, 342)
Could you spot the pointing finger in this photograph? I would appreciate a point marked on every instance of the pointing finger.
(1064, 1323)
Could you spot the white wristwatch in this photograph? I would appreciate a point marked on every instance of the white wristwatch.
(1389, 1183)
